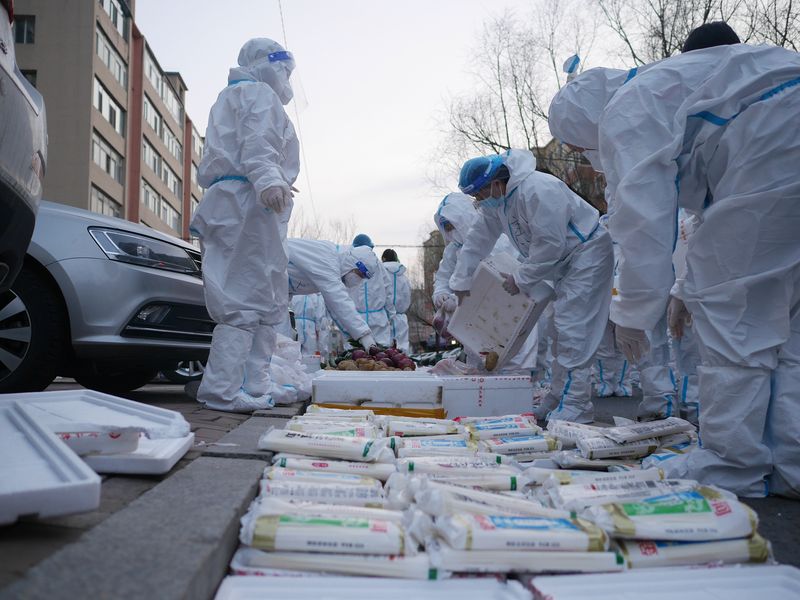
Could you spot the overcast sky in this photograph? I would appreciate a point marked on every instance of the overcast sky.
(375, 72)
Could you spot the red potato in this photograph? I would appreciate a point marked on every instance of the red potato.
(374, 350)
(390, 352)
(359, 354)
(380, 356)
(387, 361)
(407, 363)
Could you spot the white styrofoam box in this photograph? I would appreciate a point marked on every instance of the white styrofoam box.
(236, 587)
(87, 411)
(152, 457)
(390, 388)
(478, 395)
(776, 582)
(39, 474)
(492, 320)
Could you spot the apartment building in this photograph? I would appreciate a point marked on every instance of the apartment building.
(120, 141)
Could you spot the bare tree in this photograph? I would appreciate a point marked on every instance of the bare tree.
(774, 21)
(339, 231)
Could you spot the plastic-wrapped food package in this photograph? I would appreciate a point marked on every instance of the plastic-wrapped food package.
(572, 459)
(339, 413)
(569, 433)
(432, 447)
(514, 561)
(439, 499)
(524, 445)
(643, 554)
(647, 430)
(347, 535)
(667, 453)
(704, 514)
(496, 419)
(487, 532)
(454, 465)
(345, 428)
(282, 474)
(379, 471)
(579, 496)
(484, 430)
(600, 447)
(329, 446)
(411, 427)
(557, 478)
(324, 493)
(404, 567)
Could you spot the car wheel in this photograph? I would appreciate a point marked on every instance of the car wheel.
(186, 371)
(116, 380)
(33, 334)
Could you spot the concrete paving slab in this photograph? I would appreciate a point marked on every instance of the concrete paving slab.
(174, 542)
(242, 441)
(287, 412)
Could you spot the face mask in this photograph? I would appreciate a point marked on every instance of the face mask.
(351, 279)
(495, 199)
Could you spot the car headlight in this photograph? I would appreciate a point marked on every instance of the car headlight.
(144, 251)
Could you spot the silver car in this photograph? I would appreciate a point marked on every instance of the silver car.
(23, 153)
(106, 301)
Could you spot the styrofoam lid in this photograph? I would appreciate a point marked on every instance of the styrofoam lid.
(487, 381)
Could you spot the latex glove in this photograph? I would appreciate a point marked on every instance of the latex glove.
(509, 284)
(633, 343)
(460, 295)
(367, 341)
(439, 299)
(451, 303)
(678, 317)
(276, 198)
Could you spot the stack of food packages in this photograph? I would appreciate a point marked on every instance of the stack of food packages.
(353, 493)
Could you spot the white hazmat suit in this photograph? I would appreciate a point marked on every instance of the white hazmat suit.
(708, 131)
(309, 314)
(372, 299)
(559, 239)
(318, 266)
(251, 159)
(401, 300)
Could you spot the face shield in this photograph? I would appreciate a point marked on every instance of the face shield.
(276, 70)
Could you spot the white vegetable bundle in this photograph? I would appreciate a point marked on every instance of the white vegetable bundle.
(405, 567)
(513, 561)
(281, 474)
(704, 514)
(432, 447)
(325, 493)
(572, 459)
(412, 427)
(438, 499)
(518, 427)
(569, 433)
(348, 535)
(346, 428)
(521, 445)
(377, 470)
(454, 465)
(496, 419)
(579, 496)
(601, 447)
(648, 553)
(317, 444)
(339, 413)
(487, 481)
(491, 532)
(646, 430)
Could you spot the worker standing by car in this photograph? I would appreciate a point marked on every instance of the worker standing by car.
(250, 162)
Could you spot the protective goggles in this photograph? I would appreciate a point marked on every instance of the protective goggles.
(363, 269)
(281, 55)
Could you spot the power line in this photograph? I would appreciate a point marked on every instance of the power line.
(306, 168)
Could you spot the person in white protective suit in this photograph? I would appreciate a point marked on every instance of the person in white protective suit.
(612, 371)
(251, 160)
(559, 239)
(454, 217)
(373, 298)
(708, 131)
(657, 378)
(324, 267)
(684, 339)
(309, 312)
(401, 297)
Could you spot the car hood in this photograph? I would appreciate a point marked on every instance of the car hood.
(52, 210)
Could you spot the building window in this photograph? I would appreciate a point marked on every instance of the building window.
(100, 202)
(193, 173)
(24, 29)
(152, 117)
(170, 216)
(197, 143)
(173, 104)
(195, 204)
(169, 177)
(107, 158)
(150, 198)
(151, 158)
(172, 143)
(107, 107)
(111, 58)
(30, 75)
(153, 73)
(160, 207)
(114, 11)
